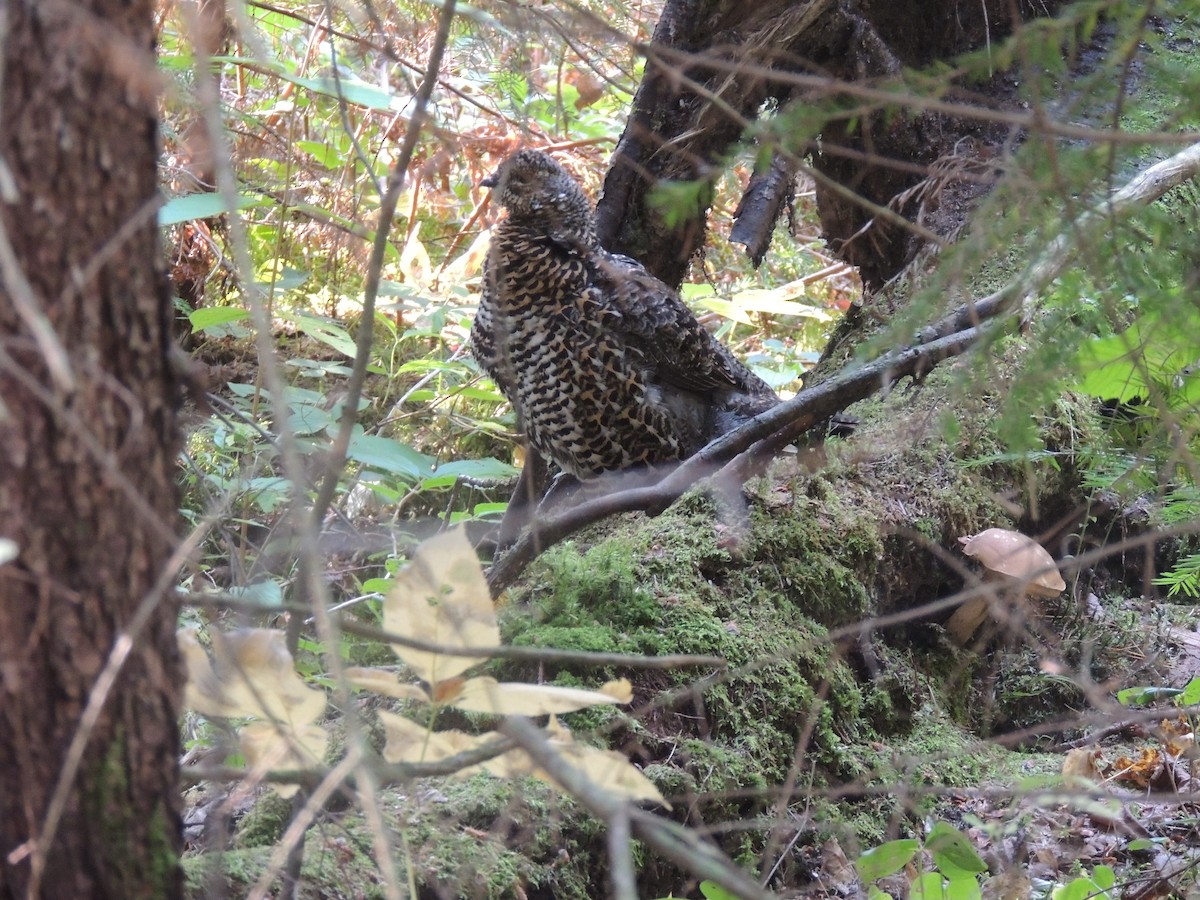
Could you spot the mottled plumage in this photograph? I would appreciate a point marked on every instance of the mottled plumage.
(604, 364)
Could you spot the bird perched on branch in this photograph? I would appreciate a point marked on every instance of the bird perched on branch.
(604, 364)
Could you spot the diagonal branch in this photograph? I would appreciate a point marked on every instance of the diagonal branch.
(735, 454)
(767, 432)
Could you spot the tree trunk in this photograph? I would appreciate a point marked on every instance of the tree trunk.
(715, 65)
(88, 438)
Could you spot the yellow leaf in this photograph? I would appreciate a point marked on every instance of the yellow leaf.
(441, 598)
(409, 742)
(251, 675)
(271, 746)
(386, 683)
(726, 309)
(780, 301)
(487, 695)
(414, 261)
(469, 262)
(606, 768)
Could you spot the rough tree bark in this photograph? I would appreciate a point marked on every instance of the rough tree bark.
(88, 439)
(715, 66)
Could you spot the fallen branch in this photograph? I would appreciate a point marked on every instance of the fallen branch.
(739, 453)
(764, 434)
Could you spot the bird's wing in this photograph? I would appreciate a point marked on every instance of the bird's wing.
(484, 344)
(657, 323)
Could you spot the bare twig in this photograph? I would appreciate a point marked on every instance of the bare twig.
(1140, 191)
(387, 209)
(384, 773)
(525, 654)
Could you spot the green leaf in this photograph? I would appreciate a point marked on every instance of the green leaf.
(262, 593)
(928, 886)
(390, 456)
(691, 291)
(713, 891)
(280, 277)
(324, 154)
(1141, 696)
(269, 492)
(327, 331)
(353, 91)
(1076, 889)
(963, 888)
(1140, 844)
(1104, 877)
(874, 893)
(484, 396)
(308, 418)
(952, 850)
(1191, 693)
(486, 468)
(210, 316)
(488, 509)
(680, 202)
(201, 206)
(886, 859)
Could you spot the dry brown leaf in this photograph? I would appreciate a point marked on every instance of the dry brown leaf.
(414, 261)
(1141, 772)
(607, 768)
(612, 770)
(467, 265)
(441, 598)
(837, 871)
(1082, 763)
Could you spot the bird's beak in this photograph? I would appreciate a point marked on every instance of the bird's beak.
(491, 181)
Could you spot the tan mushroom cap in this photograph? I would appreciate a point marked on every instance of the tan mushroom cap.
(1018, 557)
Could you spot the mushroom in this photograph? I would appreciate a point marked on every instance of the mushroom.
(1016, 560)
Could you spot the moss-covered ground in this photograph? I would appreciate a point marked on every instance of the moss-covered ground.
(864, 727)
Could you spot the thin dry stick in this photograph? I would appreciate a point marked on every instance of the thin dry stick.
(383, 773)
(503, 651)
(1142, 190)
(387, 209)
(898, 95)
(620, 857)
(311, 580)
(294, 836)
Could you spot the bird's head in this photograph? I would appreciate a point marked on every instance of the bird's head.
(537, 191)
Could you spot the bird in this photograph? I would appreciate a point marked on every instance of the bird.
(606, 367)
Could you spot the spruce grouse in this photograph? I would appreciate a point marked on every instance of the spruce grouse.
(605, 365)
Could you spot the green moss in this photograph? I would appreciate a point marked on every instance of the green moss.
(140, 855)
(486, 837)
(337, 865)
(266, 821)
